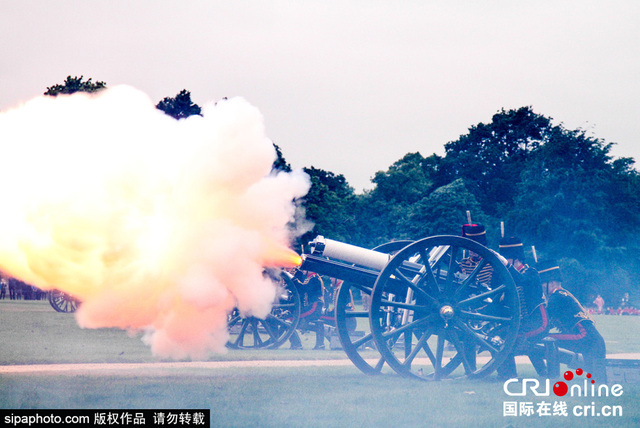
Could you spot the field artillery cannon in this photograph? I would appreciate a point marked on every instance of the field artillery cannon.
(277, 327)
(427, 317)
(432, 314)
(62, 302)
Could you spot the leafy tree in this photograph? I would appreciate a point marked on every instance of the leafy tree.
(382, 210)
(180, 106)
(491, 156)
(404, 182)
(280, 164)
(75, 84)
(408, 203)
(329, 205)
(436, 172)
(577, 204)
(442, 212)
(377, 220)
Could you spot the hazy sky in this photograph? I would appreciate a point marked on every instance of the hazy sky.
(347, 86)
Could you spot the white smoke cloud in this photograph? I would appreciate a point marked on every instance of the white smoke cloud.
(155, 224)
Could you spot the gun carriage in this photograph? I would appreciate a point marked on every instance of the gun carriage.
(429, 317)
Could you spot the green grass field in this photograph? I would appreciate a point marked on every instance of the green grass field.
(33, 333)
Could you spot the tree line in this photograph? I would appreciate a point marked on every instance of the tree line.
(561, 191)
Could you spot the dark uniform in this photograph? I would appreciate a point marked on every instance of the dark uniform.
(534, 321)
(312, 300)
(577, 331)
(468, 264)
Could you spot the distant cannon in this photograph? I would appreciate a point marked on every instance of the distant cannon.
(443, 306)
(277, 327)
(63, 302)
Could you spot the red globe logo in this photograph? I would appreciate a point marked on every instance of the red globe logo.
(560, 389)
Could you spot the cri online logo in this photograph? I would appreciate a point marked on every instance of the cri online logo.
(561, 388)
(587, 388)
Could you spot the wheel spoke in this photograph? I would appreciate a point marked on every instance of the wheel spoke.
(233, 321)
(362, 340)
(273, 335)
(453, 267)
(243, 330)
(414, 287)
(455, 362)
(413, 324)
(439, 355)
(483, 296)
(379, 364)
(257, 340)
(461, 354)
(429, 352)
(424, 258)
(278, 320)
(409, 359)
(403, 305)
(472, 277)
(477, 337)
(483, 317)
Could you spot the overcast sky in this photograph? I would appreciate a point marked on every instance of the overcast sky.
(346, 86)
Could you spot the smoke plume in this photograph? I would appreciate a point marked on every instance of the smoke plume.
(155, 224)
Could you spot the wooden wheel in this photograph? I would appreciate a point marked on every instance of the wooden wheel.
(436, 312)
(361, 350)
(63, 302)
(276, 328)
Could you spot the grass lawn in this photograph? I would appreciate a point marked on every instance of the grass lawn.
(33, 333)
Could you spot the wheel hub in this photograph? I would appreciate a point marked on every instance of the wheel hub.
(446, 312)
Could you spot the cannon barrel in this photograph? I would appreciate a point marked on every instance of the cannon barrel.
(349, 253)
(352, 263)
(344, 261)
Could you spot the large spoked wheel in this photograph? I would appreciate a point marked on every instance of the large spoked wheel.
(276, 328)
(444, 306)
(360, 349)
(62, 302)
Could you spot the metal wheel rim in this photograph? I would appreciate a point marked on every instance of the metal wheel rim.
(418, 344)
(276, 328)
(351, 347)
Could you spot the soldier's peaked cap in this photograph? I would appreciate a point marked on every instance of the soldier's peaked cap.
(511, 248)
(476, 232)
(549, 270)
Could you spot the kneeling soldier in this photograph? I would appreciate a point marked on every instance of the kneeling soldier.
(578, 332)
(311, 290)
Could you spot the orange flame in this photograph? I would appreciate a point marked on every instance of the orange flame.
(281, 256)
